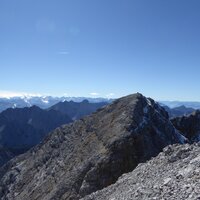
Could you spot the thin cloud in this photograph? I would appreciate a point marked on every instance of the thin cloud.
(10, 94)
(94, 94)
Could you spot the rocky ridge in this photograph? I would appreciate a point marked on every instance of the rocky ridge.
(90, 154)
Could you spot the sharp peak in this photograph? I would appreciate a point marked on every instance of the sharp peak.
(35, 107)
(131, 102)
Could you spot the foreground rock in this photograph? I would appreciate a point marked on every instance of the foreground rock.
(91, 153)
(173, 174)
(189, 125)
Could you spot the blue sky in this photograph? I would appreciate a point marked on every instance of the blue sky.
(101, 47)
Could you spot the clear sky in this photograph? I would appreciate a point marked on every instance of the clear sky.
(101, 47)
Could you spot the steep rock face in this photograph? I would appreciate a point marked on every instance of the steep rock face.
(189, 125)
(77, 110)
(90, 154)
(173, 174)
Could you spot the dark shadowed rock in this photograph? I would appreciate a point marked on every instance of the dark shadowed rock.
(22, 128)
(189, 125)
(5, 155)
(91, 153)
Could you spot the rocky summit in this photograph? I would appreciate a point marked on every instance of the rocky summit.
(173, 174)
(90, 154)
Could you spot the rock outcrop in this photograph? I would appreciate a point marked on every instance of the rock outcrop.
(173, 174)
(90, 154)
(189, 125)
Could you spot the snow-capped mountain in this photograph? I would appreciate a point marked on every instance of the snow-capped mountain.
(41, 101)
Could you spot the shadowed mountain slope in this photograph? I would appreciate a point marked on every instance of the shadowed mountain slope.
(22, 128)
(77, 110)
(27, 126)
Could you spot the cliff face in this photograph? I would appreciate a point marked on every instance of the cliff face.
(91, 153)
(173, 174)
(189, 125)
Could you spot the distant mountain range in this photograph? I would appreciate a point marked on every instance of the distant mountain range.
(77, 110)
(43, 101)
(178, 111)
(188, 104)
(48, 101)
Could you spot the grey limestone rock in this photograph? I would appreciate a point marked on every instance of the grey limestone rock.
(173, 174)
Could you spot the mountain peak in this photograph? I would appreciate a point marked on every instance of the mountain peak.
(85, 101)
(91, 153)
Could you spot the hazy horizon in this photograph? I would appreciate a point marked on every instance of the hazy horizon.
(9, 94)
